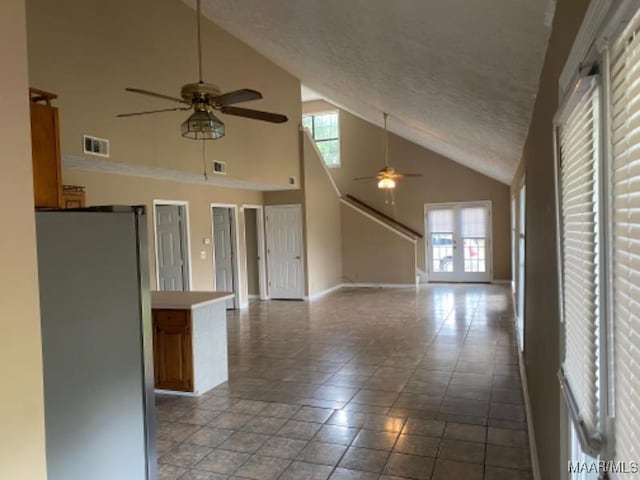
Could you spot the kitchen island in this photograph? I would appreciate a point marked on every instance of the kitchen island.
(189, 341)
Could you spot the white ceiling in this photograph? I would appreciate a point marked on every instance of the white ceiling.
(457, 76)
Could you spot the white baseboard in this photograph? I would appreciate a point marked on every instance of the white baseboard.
(322, 293)
(501, 282)
(535, 463)
(177, 393)
(252, 296)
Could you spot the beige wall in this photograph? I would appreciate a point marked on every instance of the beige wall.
(284, 197)
(88, 51)
(371, 253)
(541, 313)
(321, 229)
(22, 442)
(322, 217)
(362, 154)
(251, 242)
(106, 189)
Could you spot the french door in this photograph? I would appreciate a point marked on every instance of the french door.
(458, 242)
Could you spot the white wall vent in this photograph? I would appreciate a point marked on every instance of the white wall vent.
(95, 146)
(219, 167)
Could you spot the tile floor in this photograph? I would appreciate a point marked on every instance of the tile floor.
(363, 384)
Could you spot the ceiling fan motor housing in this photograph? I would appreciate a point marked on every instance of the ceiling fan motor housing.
(199, 92)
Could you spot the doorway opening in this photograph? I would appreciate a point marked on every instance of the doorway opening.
(225, 251)
(172, 244)
(255, 252)
(458, 242)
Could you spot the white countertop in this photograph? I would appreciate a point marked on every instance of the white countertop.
(186, 300)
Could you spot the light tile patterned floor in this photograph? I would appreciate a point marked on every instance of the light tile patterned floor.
(363, 384)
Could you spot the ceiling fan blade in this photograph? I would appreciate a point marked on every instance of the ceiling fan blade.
(255, 114)
(157, 95)
(411, 174)
(153, 111)
(357, 179)
(237, 96)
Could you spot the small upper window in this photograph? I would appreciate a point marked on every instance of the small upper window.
(325, 130)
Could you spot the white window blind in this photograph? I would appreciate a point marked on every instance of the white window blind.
(441, 220)
(625, 193)
(474, 222)
(579, 247)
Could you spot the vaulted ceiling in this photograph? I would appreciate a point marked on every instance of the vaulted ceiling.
(457, 76)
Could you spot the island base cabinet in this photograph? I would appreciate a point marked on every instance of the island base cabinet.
(172, 345)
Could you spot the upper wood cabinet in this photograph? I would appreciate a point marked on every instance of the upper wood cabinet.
(45, 148)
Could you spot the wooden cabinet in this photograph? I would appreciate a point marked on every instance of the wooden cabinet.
(45, 147)
(173, 358)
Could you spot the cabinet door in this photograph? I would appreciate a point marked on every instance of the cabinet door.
(173, 358)
(45, 146)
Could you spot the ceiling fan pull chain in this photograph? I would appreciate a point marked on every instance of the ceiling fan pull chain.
(204, 159)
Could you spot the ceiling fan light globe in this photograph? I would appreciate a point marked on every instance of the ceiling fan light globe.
(386, 184)
(202, 125)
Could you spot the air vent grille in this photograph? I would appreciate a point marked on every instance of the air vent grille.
(95, 146)
(219, 167)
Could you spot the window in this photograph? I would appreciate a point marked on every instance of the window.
(325, 130)
(579, 240)
(625, 238)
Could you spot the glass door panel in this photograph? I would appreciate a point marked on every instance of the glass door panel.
(459, 225)
(441, 241)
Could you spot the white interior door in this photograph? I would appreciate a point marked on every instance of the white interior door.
(284, 251)
(224, 254)
(171, 251)
(458, 240)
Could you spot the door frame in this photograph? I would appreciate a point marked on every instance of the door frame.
(186, 236)
(489, 260)
(235, 241)
(262, 265)
(303, 250)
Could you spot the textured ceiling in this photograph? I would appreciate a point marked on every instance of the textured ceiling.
(457, 76)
